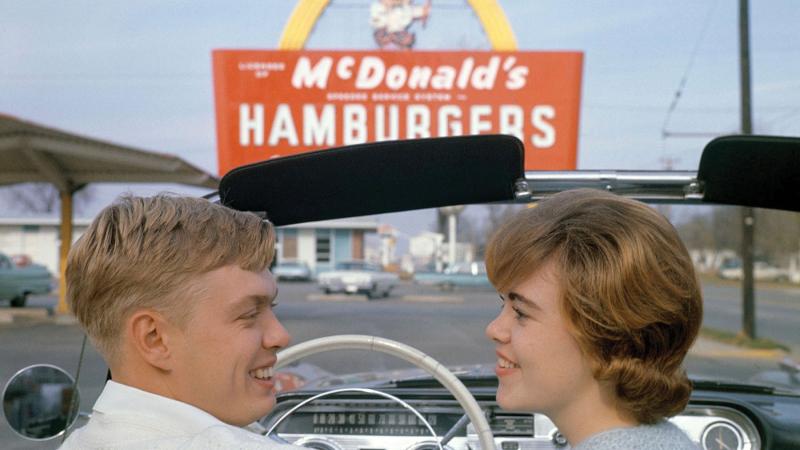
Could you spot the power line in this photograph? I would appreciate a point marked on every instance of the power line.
(685, 76)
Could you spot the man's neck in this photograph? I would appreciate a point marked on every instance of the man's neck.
(145, 380)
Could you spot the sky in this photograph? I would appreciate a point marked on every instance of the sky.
(139, 72)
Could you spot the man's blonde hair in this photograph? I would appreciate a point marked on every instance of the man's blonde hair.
(143, 252)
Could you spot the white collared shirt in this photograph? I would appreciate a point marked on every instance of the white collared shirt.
(127, 418)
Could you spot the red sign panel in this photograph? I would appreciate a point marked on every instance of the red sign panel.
(278, 103)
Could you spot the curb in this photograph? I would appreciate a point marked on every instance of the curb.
(433, 298)
(336, 298)
(10, 316)
(709, 348)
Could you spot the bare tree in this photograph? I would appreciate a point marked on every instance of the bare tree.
(697, 232)
(777, 233)
(40, 198)
(497, 214)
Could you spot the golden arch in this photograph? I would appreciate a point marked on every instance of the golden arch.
(307, 12)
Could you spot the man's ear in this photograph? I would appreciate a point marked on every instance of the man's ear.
(151, 336)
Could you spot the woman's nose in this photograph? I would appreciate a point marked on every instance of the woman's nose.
(496, 330)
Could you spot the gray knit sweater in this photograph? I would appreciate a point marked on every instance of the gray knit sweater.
(661, 436)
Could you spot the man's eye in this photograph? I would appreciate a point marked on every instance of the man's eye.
(250, 315)
(518, 313)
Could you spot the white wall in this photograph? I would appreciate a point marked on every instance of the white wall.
(307, 247)
(41, 245)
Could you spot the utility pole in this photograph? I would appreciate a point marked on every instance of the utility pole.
(667, 163)
(747, 214)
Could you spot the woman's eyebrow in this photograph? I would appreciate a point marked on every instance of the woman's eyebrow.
(516, 297)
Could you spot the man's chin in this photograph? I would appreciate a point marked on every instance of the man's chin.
(263, 408)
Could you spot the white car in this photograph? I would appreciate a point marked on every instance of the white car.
(358, 277)
(292, 271)
(762, 271)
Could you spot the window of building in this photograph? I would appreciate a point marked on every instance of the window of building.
(323, 246)
(289, 244)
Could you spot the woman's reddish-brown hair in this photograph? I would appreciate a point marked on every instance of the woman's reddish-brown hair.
(630, 292)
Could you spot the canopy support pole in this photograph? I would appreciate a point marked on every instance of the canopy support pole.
(66, 243)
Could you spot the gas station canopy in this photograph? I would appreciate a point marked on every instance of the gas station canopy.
(34, 153)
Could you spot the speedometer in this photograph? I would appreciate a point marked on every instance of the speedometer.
(722, 436)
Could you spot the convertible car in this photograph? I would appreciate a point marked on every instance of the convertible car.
(434, 406)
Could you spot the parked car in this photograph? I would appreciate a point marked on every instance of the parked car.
(465, 274)
(358, 277)
(291, 271)
(762, 271)
(18, 282)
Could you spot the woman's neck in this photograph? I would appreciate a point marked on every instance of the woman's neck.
(591, 414)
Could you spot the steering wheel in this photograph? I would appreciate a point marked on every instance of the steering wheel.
(402, 351)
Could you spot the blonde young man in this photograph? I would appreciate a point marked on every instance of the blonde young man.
(175, 294)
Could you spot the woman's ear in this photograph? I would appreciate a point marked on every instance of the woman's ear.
(151, 336)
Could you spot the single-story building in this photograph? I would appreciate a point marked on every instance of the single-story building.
(322, 244)
(319, 244)
(37, 237)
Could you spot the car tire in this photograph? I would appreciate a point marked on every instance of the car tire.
(373, 292)
(20, 301)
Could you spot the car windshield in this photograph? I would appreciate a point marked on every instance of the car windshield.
(428, 313)
(596, 86)
(356, 265)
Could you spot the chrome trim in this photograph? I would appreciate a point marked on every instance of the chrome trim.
(712, 426)
(213, 197)
(652, 186)
(329, 443)
(423, 445)
(695, 420)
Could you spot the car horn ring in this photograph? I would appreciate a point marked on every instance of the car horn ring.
(407, 353)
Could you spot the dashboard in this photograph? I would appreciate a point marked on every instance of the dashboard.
(360, 421)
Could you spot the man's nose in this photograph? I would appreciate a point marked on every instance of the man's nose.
(276, 335)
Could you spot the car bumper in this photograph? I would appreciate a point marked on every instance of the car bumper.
(346, 287)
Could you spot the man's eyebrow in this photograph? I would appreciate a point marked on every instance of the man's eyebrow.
(516, 297)
(257, 300)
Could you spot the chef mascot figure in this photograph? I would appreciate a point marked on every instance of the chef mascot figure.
(391, 20)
